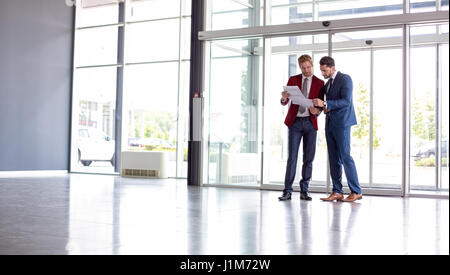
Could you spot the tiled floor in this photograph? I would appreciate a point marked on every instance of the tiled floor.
(90, 214)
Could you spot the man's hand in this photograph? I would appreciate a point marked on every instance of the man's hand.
(285, 95)
(314, 111)
(318, 102)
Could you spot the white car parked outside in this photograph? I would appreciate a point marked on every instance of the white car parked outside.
(94, 145)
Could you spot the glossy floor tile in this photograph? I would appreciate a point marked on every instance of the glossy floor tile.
(93, 214)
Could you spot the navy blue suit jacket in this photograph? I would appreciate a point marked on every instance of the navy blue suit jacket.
(340, 102)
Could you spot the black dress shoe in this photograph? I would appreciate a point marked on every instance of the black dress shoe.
(286, 196)
(305, 197)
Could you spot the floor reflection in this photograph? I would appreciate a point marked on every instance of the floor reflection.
(92, 214)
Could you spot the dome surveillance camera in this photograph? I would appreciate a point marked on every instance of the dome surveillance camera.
(326, 23)
(369, 42)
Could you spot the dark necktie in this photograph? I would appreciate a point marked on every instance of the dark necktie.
(329, 86)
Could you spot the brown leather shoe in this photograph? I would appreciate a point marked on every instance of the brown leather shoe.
(353, 197)
(334, 197)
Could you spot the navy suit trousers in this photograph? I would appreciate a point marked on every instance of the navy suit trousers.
(301, 129)
(338, 142)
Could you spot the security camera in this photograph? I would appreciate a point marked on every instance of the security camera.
(369, 42)
(326, 23)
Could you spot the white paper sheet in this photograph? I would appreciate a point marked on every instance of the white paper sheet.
(297, 96)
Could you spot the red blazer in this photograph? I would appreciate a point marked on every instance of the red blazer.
(316, 87)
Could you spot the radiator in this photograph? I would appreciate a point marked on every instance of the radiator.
(145, 164)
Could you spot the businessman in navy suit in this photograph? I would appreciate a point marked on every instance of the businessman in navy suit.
(340, 117)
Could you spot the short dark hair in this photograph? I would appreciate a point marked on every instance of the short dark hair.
(328, 61)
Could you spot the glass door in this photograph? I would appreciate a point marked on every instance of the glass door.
(373, 59)
(281, 64)
(233, 113)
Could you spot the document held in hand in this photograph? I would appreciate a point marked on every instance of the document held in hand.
(297, 96)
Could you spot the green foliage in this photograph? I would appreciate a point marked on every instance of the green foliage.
(430, 162)
(424, 117)
(157, 124)
(153, 148)
(245, 90)
(159, 148)
(362, 130)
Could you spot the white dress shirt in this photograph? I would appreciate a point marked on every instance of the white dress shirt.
(334, 75)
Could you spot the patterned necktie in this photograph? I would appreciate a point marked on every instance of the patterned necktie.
(305, 93)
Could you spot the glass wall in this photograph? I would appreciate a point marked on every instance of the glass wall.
(444, 112)
(131, 81)
(238, 13)
(428, 5)
(133, 55)
(429, 107)
(234, 14)
(298, 11)
(97, 12)
(157, 46)
(374, 58)
(97, 64)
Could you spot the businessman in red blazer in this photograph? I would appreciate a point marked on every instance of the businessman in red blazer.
(302, 123)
